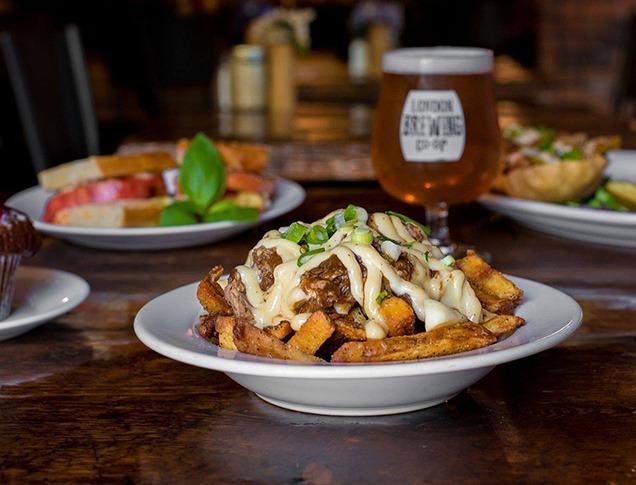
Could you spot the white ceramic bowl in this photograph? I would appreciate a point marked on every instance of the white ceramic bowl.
(287, 196)
(166, 325)
(582, 224)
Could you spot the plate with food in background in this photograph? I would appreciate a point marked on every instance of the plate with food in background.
(148, 201)
(356, 314)
(567, 184)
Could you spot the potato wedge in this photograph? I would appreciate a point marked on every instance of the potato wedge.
(502, 326)
(225, 328)
(496, 293)
(349, 330)
(280, 331)
(253, 340)
(314, 332)
(210, 293)
(440, 341)
(398, 316)
(207, 328)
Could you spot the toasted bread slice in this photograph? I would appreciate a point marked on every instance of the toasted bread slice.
(99, 167)
(124, 213)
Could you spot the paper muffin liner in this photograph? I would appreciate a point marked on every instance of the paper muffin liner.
(8, 265)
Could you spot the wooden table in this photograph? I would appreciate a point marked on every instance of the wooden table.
(82, 400)
(331, 141)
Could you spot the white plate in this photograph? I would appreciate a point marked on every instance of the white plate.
(590, 225)
(166, 325)
(287, 196)
(41, 295)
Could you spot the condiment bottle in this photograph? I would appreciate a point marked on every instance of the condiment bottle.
(247, 67)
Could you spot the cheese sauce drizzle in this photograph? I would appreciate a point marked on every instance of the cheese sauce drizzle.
(437, 292)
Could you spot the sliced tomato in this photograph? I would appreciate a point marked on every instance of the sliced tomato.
(140, 187)
(248, 182)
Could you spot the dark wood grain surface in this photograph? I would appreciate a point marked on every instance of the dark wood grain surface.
(82, 400)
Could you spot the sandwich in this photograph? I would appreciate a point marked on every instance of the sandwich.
(132, 190)
(108, 191)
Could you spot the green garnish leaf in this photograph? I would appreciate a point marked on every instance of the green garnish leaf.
(425, 229)
(574, 154)
(381, 296)
(226, 210)
(308, 255)
(178, 213)
(546, 137)
(427, 255)
(202, 175)
(296, 232)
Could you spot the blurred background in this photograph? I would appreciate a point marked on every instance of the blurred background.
(82, 77)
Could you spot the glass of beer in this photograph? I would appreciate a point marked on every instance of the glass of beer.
(436, 135)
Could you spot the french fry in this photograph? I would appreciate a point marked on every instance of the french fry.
(225, 328)
(207, 328)
(349, 330)
(496, 293)
(440, 341)
(398, 316)
(314, 332)
(280, 331)
(210, 293)
(253, 340)
(502, 326)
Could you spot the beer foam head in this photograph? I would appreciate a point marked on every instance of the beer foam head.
(438, 60)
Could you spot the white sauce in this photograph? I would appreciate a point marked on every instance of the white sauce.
(435, 297)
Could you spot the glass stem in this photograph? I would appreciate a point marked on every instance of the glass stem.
(437, 220)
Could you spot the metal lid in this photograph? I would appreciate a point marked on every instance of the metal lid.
(438, 60)
(248, 52)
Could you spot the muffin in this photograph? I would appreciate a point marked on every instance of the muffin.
(18, 239)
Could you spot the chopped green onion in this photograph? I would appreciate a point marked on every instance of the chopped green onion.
(317, 235)
(351, 212)
(426, 255)
(448, 260)
(426, 230)
(574, 154)
(381, 296)
(308, 255)
(383, 238)
(361, 236)
(331, 225)
(296, 232)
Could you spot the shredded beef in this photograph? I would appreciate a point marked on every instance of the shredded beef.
(326, 285)
(404, 267)
(265, 260)
(414, 231)
(236, 296)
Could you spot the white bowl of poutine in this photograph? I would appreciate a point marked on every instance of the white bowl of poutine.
(352, 325)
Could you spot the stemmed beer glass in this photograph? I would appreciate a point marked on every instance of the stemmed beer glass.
(436, 135)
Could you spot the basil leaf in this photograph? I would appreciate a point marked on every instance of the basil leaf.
(178, 213)
(202, 175)
(229, 211)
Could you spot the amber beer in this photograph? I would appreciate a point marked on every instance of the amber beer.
(436, 136)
